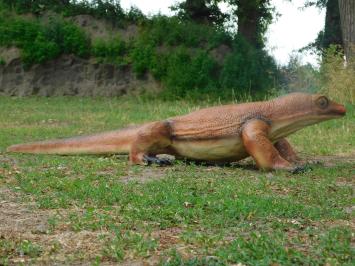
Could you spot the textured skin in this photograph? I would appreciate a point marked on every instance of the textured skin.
(286, 151)
(218, 134)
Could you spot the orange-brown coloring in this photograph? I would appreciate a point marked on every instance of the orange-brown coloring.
(219, 134)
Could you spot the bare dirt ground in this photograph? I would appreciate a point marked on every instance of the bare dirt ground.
(24, 221)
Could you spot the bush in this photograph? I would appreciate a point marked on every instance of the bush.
(178, 55)
(142, 56)
(17, 32)
(189, 75)
(136, 16)
(110, 10)
(39, 51)
(70, 38)
(111, 51)
(29, 36)
(171, 31)
(40, 43)
(247, 69)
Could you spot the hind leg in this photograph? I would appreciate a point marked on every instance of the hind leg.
(151, 140)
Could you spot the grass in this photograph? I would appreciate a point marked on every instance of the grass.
(99, 209)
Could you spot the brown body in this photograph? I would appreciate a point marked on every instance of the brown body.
(218, 134)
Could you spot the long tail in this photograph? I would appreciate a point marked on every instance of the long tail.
(118, 141)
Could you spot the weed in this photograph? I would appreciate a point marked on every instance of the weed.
(12, 248)
(122, 241)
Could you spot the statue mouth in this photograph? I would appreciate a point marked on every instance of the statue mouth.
(339, 110)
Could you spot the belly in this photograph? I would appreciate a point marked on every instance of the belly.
(228, 149)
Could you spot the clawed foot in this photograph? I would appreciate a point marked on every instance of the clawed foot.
(154, 160)
(300, 169)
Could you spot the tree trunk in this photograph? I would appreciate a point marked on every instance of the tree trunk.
(197, 10)
(253, 16)
(347, 17)
(332, 28)
(248, 21)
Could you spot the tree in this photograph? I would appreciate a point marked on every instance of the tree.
(331, 34)
(201, 11)
(347, 17)
(253, 18)
(332, 29)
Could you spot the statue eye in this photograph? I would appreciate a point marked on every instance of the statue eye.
(322, 102)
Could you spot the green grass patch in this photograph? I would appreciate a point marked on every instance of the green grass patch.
(14, 248)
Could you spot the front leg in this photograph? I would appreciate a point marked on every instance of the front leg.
(257, 144)
(286, 151)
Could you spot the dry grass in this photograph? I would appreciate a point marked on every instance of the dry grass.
(339, 78)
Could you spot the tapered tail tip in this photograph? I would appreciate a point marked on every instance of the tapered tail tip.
(9, 149)
(12, 148)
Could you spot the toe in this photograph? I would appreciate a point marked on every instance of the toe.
(301, 169)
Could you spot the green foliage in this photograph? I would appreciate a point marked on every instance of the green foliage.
(30, 37)
(2, 61)
(39, 50)
(109, 10)
(28, 248)
(111, 51)
(39, 42)
(200, 11)
(248, 69)
(142, 56)
(27, 6)
(135, 15)
(163, 30)
(123, 241)
(188, 74)
(179, 53)
(13, 248)
(69, 38)
(317, 3)
(336, 245)
(262, 249)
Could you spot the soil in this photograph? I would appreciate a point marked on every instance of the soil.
(70, 75)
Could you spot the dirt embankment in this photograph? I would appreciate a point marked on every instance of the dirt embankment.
(70, 75)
